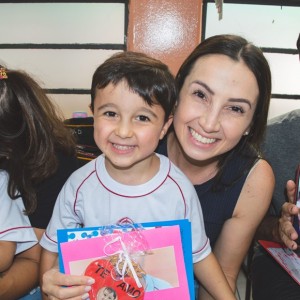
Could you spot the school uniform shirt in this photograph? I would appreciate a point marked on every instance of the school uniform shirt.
(90, 197)
(14, 225)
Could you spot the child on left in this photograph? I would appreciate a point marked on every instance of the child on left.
(37, 154)
(17, 238)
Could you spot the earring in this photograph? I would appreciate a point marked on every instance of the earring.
(246, 133)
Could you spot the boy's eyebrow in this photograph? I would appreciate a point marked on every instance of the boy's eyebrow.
(106, 105)
(235, 100)
(149, 111)
(142, 109)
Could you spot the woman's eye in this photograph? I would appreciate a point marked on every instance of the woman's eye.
(199, 94)
(237, 109)
(143, 118)
(110, 114)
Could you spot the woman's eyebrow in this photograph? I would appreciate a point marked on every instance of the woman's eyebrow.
(236, 100)
(239, 100)
(199, 82)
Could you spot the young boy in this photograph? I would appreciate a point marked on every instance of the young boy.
(133, 97)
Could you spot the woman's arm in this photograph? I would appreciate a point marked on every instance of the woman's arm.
(212, 278)
(237, 232)
(7, 250)
(22, 276)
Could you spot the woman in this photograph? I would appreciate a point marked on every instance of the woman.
(38, 154)
(224, 94)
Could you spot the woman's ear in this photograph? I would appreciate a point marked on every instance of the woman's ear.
(247, 131)
(166, 127)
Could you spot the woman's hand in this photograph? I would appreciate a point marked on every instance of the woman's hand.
(286, 230)
(62, 286)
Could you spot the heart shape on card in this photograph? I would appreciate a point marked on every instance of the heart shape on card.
(107, 286)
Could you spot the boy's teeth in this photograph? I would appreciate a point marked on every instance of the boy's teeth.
(121, 147)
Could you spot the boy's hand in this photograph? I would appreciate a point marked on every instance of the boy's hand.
(54, 285)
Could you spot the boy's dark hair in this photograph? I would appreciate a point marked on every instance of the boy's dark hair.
(298, 43)
(148, 77)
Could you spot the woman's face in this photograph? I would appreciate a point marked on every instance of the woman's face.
(216, 106)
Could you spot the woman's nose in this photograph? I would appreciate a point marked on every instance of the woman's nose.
(210, 121)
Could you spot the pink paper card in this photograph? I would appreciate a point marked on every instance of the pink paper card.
(165, 266)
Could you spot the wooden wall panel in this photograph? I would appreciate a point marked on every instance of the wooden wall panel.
(167, 30)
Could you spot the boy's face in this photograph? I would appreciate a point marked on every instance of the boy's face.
(126, 128)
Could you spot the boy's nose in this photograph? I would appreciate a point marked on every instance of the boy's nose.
(124, 130)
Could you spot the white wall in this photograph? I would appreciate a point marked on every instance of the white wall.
(79, 25)
(67, 25)
(270, 27)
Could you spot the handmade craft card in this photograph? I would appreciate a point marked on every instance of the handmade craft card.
(67, 235)
(163, 273)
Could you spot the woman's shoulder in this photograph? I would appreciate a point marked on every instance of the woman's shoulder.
(261, 169)
(257, 190)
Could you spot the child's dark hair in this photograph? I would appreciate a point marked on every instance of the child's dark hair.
(31, 131)
(145, 76)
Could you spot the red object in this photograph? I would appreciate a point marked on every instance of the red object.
(106, 283)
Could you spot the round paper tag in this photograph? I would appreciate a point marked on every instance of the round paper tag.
(107, 286)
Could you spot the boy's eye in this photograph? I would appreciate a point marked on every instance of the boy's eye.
(110, 114)
(143, 118)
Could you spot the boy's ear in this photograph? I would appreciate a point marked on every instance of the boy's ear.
(91, 108)
(166, 127)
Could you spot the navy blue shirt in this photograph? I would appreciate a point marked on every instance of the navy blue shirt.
(218, 205)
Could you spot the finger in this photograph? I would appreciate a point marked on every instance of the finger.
(291, 189)
(54, 277)
(68, 293)
(72, 293)
(289, 243)
(288, 234)
(62, 286)
(288, 210)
